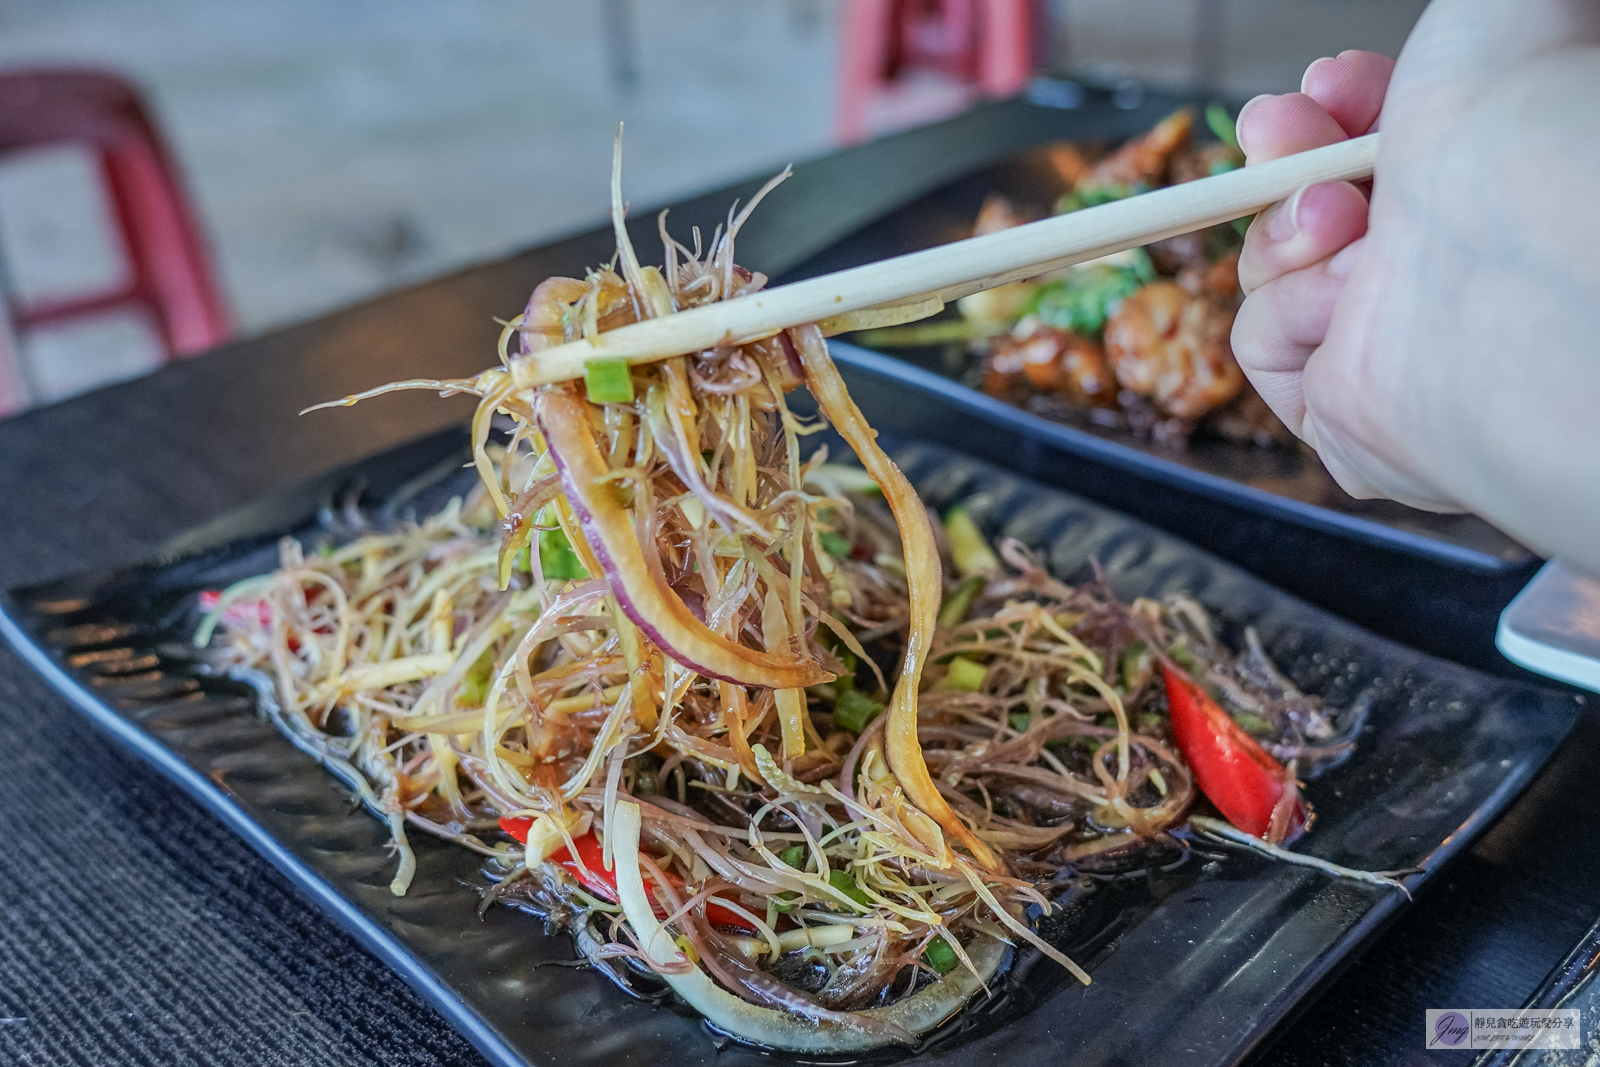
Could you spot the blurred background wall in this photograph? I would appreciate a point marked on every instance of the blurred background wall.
(333, 150)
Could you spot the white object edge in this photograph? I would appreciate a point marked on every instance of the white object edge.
(1552, 627)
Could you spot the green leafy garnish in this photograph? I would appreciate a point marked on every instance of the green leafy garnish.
(1151, 723)
(940, 956)
(854, 710)
(834, 545)
(845, 883)
(609, 381)
(794, 856)
(1141, 266)
(556, 556)
(1084, 299)
(1135, 665)
(1223, 125)
(1095, 195)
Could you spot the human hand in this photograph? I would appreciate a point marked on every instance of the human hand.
(1299, 253)
(1436, 347)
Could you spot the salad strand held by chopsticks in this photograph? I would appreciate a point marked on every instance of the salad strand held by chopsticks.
(740, 719)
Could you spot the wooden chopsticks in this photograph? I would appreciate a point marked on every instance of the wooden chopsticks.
(919, 284)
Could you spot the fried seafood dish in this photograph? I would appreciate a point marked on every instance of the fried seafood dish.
(1137, 340)
(742, 720)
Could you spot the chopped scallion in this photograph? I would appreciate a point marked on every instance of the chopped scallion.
(965, 675)
(940, 956)
(556, 557)
(845, 883)
(609, 381)
(854, 710)
(968, 546)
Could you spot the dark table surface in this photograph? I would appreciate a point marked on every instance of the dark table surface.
(137, 930)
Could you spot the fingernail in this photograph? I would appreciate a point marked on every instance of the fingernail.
(1239, 124)
(1285, 221)
(1305, 78)
(1340, 266)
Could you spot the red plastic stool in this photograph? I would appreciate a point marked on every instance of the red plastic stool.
(167, 270)
(985, 44)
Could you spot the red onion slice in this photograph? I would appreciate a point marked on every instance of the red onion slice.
(542, 321)
(653, 607)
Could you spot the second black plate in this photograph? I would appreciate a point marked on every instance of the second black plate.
(1289, 483)
(1440, 598)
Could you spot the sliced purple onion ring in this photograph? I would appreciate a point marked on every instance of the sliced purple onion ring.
(663, 616)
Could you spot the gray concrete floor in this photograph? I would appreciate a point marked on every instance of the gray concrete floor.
(338, 149)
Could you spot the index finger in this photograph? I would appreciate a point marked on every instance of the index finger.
(1271, 127)
(1350, 87)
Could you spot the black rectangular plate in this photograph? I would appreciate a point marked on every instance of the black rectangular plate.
(1289, 483)
(1196, 965)
(1572, 983)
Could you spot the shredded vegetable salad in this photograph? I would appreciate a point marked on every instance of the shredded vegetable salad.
(745, 721)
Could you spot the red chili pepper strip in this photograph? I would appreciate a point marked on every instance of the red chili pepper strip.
(603, 883)
(1231, 769)
(243, 612)
(239, 611)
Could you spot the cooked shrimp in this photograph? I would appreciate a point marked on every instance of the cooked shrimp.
(1051, 360)
(1144, 160)
(1171, 348)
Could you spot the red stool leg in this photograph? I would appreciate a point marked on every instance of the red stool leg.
(169, 261)
(1005, 43)
(170, 273)
(865, 33)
